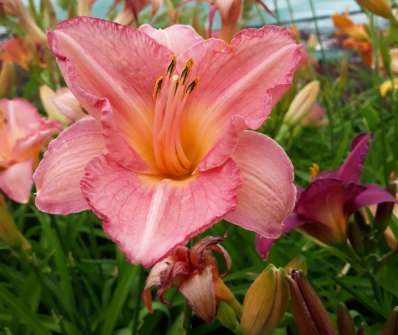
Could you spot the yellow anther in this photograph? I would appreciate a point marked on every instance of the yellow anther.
(157, 87)
(187, 69)
(172, 66)
(314, 170)
(192, 86)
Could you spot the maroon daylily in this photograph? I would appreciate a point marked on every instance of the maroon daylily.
(323, 208)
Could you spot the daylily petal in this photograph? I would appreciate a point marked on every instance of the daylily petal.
(58, 175)
(267, 195)
(116, 145)
(199, 291)
(22, 117)
(351, 169)
(147, 217)
(16, 181)
(373, 195)
(30, 146)
(101, 59)
(24, 131)
(264, 244)
(178, 37)
(244, 78)
(325, 206)
(156, 278)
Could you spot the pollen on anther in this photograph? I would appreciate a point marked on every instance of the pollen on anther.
(192, 86)
(157, 87)
(172, 66)
(187, 69)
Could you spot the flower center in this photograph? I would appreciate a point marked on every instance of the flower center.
(170, 93)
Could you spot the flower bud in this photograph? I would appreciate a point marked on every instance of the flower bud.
(61, 105)
(356, 237)
(309, 314)
(228, 318)
(297, 263)
(394, 60)
(302, 104)
(46, 96)
(9, 232)
(7, 78)
(390, 239)
(265, 302)
(391, 326)
(378, 7)
(345, 323)
(84, 7)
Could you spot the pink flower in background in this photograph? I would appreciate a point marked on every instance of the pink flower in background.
(165, 153)
(22, 134)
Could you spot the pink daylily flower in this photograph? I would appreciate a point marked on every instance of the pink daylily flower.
(165, 154)
(22, 134)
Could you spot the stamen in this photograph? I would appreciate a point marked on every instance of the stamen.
(176, 81)
(314, 170)
(187, 69)
(157, 87)
(171, 92)
(171, 67)
(192, 86)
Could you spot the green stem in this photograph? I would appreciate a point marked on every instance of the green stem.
(137, 305)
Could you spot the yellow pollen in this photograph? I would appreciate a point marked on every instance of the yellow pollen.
(157, 87)
(187, 70)
(314, 170)
(171, 93)
(172, 66)
(192, 86)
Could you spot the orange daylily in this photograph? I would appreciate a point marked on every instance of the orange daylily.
(356, 36)
(17, 51)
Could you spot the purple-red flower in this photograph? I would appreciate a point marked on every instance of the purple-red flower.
(323, 208)
(164, 153)
(22, 134)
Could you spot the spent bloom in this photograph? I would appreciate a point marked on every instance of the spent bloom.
(324, 207)
(165, 153)
(195, 273)
(22, 134)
